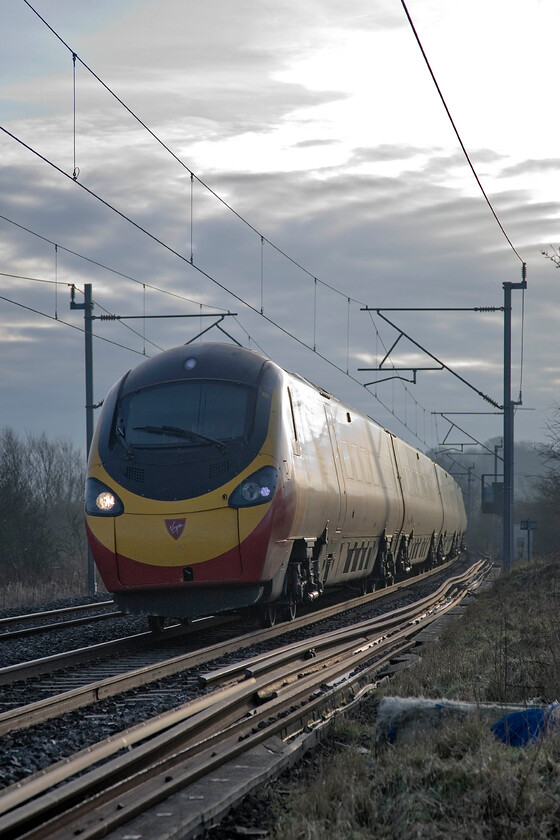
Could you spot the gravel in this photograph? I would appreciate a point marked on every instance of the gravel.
(25, 752)
(36, 646)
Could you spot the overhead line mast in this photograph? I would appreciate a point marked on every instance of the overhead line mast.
(509, 409)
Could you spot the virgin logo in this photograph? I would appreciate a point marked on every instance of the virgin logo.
(175, 527)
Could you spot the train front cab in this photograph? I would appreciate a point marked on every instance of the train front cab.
(214, 549)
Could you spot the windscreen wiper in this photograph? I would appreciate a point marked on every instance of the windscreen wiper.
(179, 432)
(122, 440)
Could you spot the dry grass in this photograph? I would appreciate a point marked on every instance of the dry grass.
(459, 781)
(24, 593)
(506, 649)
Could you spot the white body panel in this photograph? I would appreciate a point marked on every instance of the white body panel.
(362, 487)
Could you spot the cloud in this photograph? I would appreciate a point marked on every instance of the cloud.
(530, 167)
(306, 144)
(346, 171)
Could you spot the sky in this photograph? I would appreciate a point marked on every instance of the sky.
(327, 181)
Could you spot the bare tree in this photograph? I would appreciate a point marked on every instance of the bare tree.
(554, 256)
(41, 506)
(547, 507)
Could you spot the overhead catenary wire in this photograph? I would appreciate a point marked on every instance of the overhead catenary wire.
(380, 401)
(264, 239)
(389, 409)
(56, 283)
(197, 268)
(251, 339)
(455, 129)
(56, 318)
(219, 198)
(216, 195)
(75, 171)
(104, 267)
(67, 324)
(176, 157)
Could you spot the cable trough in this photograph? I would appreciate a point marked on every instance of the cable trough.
(278, 696)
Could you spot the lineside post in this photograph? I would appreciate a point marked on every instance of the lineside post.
(509, 407)
(87, 306)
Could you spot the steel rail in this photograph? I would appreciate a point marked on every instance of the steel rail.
(59, 625)
(25, 716)
(265, 696)
(29, 617)
(380, 623)
(81, 656)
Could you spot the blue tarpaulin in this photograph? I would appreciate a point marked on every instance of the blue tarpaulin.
(519, 729)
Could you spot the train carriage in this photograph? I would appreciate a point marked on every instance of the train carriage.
(218, 481)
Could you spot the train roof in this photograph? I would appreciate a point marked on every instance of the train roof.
(198, 361)
(215, 360)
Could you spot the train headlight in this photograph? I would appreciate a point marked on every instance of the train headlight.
(101, 500)
(257, 489)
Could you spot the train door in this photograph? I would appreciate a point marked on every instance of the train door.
(317, 476)
(338, 474)
(405, 524)
(437, 481)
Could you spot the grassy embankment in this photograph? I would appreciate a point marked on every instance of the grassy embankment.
(24, 594)
(456, 782)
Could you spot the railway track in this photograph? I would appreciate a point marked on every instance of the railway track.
(126, 670)
(18, 626)
(60, 683)
(272, 697)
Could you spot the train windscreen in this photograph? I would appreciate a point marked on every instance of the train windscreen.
(185, 413)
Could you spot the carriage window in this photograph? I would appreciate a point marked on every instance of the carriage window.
(185, 413)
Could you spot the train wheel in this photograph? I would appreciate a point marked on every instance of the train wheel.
(267, 615)
(290, 610)
(156, 623)
(367, 585)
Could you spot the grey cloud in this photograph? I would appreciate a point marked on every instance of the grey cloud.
(412, 240)
(532, 167)
(306, 144)
(384, 153)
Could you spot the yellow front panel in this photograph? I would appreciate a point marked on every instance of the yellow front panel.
(147, 539)
(104, 530)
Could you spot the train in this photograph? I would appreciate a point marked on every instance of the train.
(219, 482)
